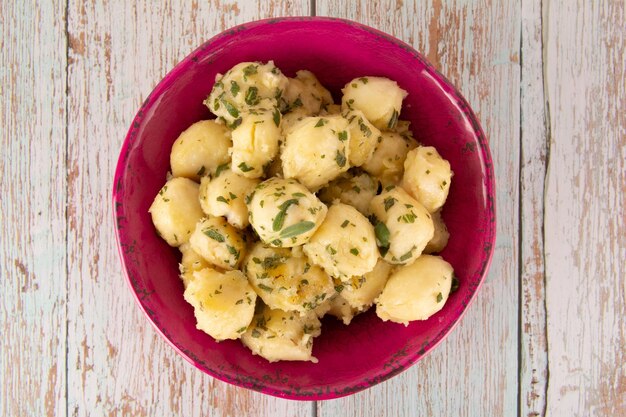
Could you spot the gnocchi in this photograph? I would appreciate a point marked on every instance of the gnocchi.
(288, 207)
(416, 291)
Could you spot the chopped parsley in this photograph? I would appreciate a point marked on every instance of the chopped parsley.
(214, 234)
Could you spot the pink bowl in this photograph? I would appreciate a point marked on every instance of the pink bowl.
(369, 351)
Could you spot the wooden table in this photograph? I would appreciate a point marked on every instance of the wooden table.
(547, 333)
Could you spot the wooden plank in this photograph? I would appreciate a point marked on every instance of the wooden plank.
(585, 243)
(533, 376)
(476, 45)
(32, 209)
(118, 365)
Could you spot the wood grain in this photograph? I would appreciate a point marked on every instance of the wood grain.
(533, 372)
(32, 209)
(117, 364)
(585, 242)
(474, 372)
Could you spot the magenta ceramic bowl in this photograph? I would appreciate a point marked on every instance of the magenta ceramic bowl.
(369, 351)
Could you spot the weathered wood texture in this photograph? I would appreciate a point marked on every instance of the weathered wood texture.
(585, 207)
(547, 333)
(117, 364)
(32, 209)
(473, 372)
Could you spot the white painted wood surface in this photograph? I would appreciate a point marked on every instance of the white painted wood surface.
(547, 333)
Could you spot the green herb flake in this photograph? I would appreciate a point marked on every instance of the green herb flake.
(297, 229)
(340, 158)
(406, 256)
(214, 234)
(256, 260)
(298, 195)
(382, 235)
(364, 80)
(250, 70)
(201, 171)
(331, 250)
(394, 119)
(232, 196)
(265, 288)
(233, 251)
(241, 329)
(240, 301)
(439, 297)
(279, 220)
(389, 202)
(343, 135)
(220, 168)
(251, 97)
(354, 251)
(345, 224)
(230, 108)
(244, 167)
(222, 199)
(321, 122)
(339, 288)
(276, 117)
(255, 333)
(234, 88)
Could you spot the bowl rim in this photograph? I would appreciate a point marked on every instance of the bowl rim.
(400, 364)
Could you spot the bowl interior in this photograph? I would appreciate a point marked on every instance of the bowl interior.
(368, 351)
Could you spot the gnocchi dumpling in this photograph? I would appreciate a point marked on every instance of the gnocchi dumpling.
(387, 161)
(403, 227)
(284, 213)
(427, 177)
(278, 335)
(225, 195)
(255, 141)
(353, 188)
(285, 280)
(305, 92)
(200, 150)
(218, 242)
(364, 137)
(223, 302)
(176, 210)
(361, 291)
(317, 150)
(345, 244)
(441, 236)
(379, 98)
(416, 291)
(243, 86)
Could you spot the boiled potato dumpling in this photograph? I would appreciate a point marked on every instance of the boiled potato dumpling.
(218, 242)
(305, 92)
(176, 210)
(244, 86)
(441, 236)
(345, 244)
(353, 188)
(223, 302)
(380, 100)
(285, 280)
(364, 137)
(255, 141)
(404, 226)
(225, 195)
(416, 291)
(190, 262)
(387, 161)
(280, 335)
(316, 150)
(284, 213)
(427, 177)
(200, 150)
(361, 291)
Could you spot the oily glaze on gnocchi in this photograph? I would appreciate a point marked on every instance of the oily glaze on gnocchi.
(304, 208)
